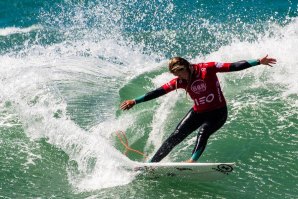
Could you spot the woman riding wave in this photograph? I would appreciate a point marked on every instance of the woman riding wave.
(209, 112)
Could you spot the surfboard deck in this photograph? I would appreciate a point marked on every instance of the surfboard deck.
(195, 171)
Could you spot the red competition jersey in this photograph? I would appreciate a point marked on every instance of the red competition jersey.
(204, 88)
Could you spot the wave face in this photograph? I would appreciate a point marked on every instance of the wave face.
(66, 66)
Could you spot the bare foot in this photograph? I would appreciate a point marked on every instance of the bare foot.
(190, 161)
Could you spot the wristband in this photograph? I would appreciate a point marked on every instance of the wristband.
(254, 62)
(139, 99)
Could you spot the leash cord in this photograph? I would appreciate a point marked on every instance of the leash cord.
(121, 135)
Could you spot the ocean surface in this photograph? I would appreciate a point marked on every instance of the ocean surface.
(66, 65)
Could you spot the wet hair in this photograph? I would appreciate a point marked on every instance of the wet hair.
(177, 63)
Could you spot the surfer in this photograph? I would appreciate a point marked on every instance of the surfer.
(209, 112)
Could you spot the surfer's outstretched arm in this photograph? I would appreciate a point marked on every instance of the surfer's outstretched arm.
(241, 65)
(128, 104)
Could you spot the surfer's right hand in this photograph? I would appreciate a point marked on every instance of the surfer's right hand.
(128, 104)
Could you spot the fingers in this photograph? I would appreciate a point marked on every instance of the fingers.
(268, 61)
(126, 105)
(271, 61)
(123, 106)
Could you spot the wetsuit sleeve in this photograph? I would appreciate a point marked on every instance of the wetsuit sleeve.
(151, 95)
(236, 66)
(172, 85)
(241, 65)
(164, 89)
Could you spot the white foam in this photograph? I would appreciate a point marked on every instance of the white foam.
(29, 83)
(16, 30)
(166, 104)
(39, 81)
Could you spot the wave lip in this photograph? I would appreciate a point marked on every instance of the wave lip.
(16, 30)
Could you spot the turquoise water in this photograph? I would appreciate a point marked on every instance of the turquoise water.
(66, 66)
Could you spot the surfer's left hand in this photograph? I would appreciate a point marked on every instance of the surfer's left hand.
(267, 61)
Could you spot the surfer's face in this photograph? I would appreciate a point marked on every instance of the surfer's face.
(181, 73)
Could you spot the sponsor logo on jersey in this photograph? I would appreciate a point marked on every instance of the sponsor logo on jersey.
(204, 100)
(198, 86)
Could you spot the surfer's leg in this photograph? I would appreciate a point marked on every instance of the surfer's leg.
(187, 125)
(214, 121)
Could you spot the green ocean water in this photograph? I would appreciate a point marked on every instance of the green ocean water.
(66, 66)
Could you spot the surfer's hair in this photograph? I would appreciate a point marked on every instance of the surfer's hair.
(177, 63)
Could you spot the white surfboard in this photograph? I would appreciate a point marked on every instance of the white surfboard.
(195, 171)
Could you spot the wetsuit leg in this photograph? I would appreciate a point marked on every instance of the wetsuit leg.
(188, 124)
(213, 121)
